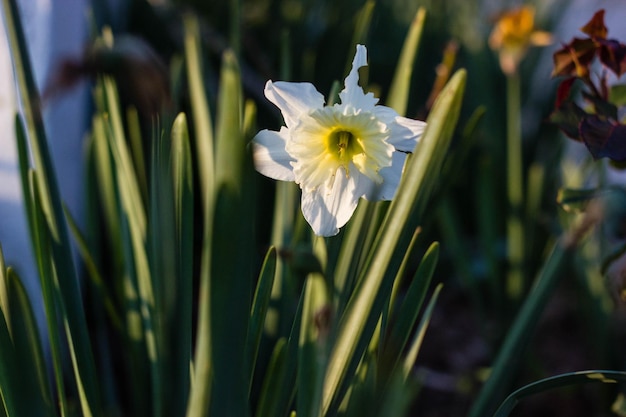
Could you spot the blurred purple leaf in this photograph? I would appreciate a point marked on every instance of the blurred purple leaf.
(568, 117)
(604, 138)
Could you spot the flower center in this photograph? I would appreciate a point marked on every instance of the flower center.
(345, 145)
(327, 142)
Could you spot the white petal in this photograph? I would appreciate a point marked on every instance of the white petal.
(327, 210)
(269, 154)
(293, 99)
(406, 133)
(391, 178)
(353, 99)
(385, 114)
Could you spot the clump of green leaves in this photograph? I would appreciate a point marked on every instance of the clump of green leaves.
(177, 287)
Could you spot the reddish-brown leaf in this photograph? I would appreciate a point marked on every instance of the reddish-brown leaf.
(573, 59)
(595, 27)
(563, 92)
(613, 55)
(604, 138)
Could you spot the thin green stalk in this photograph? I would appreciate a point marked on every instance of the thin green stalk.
(515, 192)
(505, 365)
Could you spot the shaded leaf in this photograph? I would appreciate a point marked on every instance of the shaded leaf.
(564, 90)
(595, 27)
(613, 55)
(573, 378)
(260, 305)
(604, 138)
(575, 199)
(617, 95)
(601, 107)
(567, 117)
(574, 58)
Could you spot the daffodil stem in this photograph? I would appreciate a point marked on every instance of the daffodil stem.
(515, 186)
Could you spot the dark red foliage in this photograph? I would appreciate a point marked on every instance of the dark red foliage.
(598, 126)
(604, 138)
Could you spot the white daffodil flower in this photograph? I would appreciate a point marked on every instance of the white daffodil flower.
(336, 154)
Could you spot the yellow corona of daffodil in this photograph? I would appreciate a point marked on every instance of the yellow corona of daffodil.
(336, 154)
(513, 34)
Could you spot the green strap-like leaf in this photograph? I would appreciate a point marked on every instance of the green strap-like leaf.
(260, 306)
(201, 116)
(35, 391)
(69, 295)
(505, 365)
(182, 173)
(558, 381)
(312, 349)
(411, 356)
(411, 306)
(403, 216)
(401, 82)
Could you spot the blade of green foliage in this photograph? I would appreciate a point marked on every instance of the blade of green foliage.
(268, 400)
(109, 197)
(260, 306)
(161, 244)
(69, 294)
(24, 163)
(412, 304)
(182, 172)
(200, 394)
(397, 397)
(575, 199)
(136, 148)
(4, 292)
(201, 116)
(33, 373)
(9, 374)
(232, 251)
(44, 259)
(401, 82)
(411, 356)
(126, 176)
(284, 220)
(619, 405)
(401, 274)
(312, 351)
(135, 220)
(93, 272)
(349, 255)
(107, 172)
(504, 367)
(404, 214)
(389, 339)
(558, 381)
(361, 400)
(5, 342)
(230, 145)
(279, 385)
